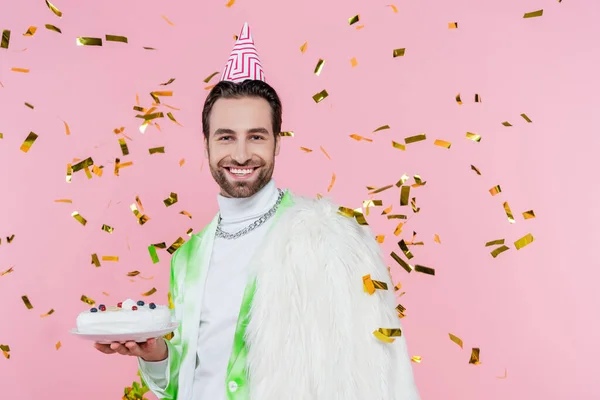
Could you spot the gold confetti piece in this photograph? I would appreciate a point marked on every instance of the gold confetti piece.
(528, 214)
(153, 255)
(381, 189)
(149, 117)
(353, 62)
(167, 19)
(124, 148)
(30, 31)
(116, 38)
(458, 100)
(372, 203)
(181, 162)
(10, 238)
(172, 199)
(474, 137)
(474, 168)
(97, 170)
(5, 350)
(95, 260)
(495, 190)
(6, 272)
(58, 345)
(149, 48)
(170, 301)
(332, 182)
(31, 138)
(442, 143)
(436, 238)
(506, 123)
(393, 7)
(107, 228)
(371, 285)
(175, 245)
(53, 28)
(404, 195)
(304, 47)
(172, 118)
(110, 258)
(399, 52)
(509, 213)
(47, 314)
(1, 134)
(87, 300)
(359, 138)
(88, 162)
(400, 308)
(22, 70)
(456, 340)
(53, 8)
(452, 25)
(424, 270)
(149, 292)
(324, 152)
(142, 218)
(407, 267)
(526, 118)
(287, 133)
(29, 105)
(320, 96)
(305, 149)
(5, 39)
(524, 241)
(79, 218)
(405, 249)
(381, 128)
(477, 98)
(319, 67)
(505, 375)
(69, 173)
(534, 14)
(387, 210)
(398, 146)
(133, 273)
(416, 359)
(380, 238)
(27, 302)
(387, 335)
(353, 20)
(173, 80)
(190, 231)
(474, 356)
(494, 242)
(155, 150)
(396, 216)
(230, 3)
(499, 251)
(106, 294)
(414, 139)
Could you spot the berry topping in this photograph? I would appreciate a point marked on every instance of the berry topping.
(152, 306)
(140, 303)
(134, 308)
(94, 309)
(120, 305)
(102, 307)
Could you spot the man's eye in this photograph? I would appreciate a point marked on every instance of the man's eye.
(225, 138)
(257, 137)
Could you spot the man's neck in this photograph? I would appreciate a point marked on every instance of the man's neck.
(234, 210)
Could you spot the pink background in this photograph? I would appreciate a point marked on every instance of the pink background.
(532, 312)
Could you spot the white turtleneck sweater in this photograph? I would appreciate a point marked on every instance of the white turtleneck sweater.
(225, 284)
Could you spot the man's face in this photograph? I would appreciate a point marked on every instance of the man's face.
(241, 147)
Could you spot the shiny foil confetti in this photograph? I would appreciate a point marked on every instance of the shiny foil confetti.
(115, 38)
(405, 249)
(287, 133)
(27, 302)
(353, 62)
(399, 52)
(67, 129)
(353, 20)
(7, 271)
(526, 118)
(477, 98)
(495, 190)
(95, 260)
(167, 19)
(87, 300)
(400, 308)
(319, 67)
(474, 168)
(149, 292)
(124, 148)
(170, 81)
(534, 14)
(524, 241)
(31, 138)
(474, 137)
(53, 8)
(458, 100)
(456, 340)
(424, 270)
(381, 189)
(398, 146)
(107, 228)
(442, 143)
(4, 43)
(324, 152)
(30, 31)
(528, 214)
(414, 139)
(398, 229)
(172, 118)
(29, 105)
(47, 314)
(474, 356)
(508, 212)
(230, 3)
(331, 183)
(320, 96)
(452, 25)
(397, 216)
(506, 123)
(10, 238)
(380, 238)
(387, 334)
(382, 128)
(304, 47)
(181, 162)
(172, 199)
(436, 238)
(393, 7)
(156, 150)
(407, 267)
(153, 254)
(416, 359)
(88, 162)
(404, 195)
(306, 149)
(496, 252)
(53, 28)
(58, 345)
(360, 138)
(88, 41)
(5, 350)
(177, 244)
(370, 285)
(22, 70)
(110, 258)
(79, 218)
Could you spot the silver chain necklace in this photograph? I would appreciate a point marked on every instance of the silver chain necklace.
(264, 218)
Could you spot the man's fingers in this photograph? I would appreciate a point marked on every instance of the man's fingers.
(104, 348)
(119, 348)
(134, 349)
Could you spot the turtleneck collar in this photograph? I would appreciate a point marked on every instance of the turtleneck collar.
(234, 210)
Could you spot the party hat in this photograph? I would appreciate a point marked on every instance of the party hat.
(243, 62)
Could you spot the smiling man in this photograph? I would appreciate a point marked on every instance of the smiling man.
(280, 297)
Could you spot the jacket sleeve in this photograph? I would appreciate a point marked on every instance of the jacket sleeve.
(162, 377)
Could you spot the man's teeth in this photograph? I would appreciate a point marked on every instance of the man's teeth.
(241, 171)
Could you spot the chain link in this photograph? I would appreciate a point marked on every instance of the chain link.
(264, 218)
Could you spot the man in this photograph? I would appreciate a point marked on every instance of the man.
(280, 297)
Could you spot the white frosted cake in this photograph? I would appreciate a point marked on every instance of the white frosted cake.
(127, 317)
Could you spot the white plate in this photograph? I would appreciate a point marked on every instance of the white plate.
(140, 337)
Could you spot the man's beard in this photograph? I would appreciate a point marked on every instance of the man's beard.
(242, 189)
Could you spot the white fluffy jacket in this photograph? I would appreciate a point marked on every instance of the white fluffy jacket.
(310, 335)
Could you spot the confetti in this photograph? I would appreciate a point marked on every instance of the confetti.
(381, 128)
(287, 133)
(405, 249)
(380, 238)
(69, 173)
(456, 340)
(474, 356)
(156, 150)
(396, 216)
(526, 118)
(509, 213)
(87, 300)
(320, 96)
(398, 146)
(353, 62)
(436, 238)
(142, 218)
(79, 218)
(172, 118)
(181, 162)
(407, 267)
(53, 28)
(47, 314)
(319, 67)
(404, 195)
(524, 241)
(175, 245)
(230, 3)
(22, 70)
(399, 52)
(88, 41)
(304, 47)
(88, 162)
(495, 190)
(149, 292)
(149, 48)
(324, 152)
(359, 138)
(123, 145)
(387, 335)
(452, 25)
(477, 98)
(458, 100)
(172, 199)
(506, 123)
(110, 258)
(5, 39)
(27, 302)
(107, 228)
(6, 272)
(29, 105)
(167, 19)
(58, 345)
(5, 350)
(414, 139)
(153, 255)
(331, 183)
(424, 270)
(416, 359)
(496, 252)
(350, 213)
(398, 229)
(474, 168)
(442, 143)
(387, 210)
(95, 260)
(393, 7)
(53, 8)
(305, 149)
(31, 138)
(116, 38)
(30, 31)
(353, 20)
(494, 242)
(10, 238)
(381, 189)
(474, 137)
(534, 14)
(371, 285)
(528, 214)
(172, 80)
(400, 308)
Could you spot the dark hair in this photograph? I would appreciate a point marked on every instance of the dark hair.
(247, 88)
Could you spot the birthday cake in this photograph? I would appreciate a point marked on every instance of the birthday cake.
(126, 317)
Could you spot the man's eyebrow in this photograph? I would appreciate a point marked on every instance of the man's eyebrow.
(224, 131)
(258, 130)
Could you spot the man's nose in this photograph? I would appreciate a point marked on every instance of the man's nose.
(241, 154)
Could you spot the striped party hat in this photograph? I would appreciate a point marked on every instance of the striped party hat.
(243, 62)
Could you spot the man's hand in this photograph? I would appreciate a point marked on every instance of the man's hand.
(152, 350)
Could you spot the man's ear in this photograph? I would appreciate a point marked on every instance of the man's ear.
(277, 144)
